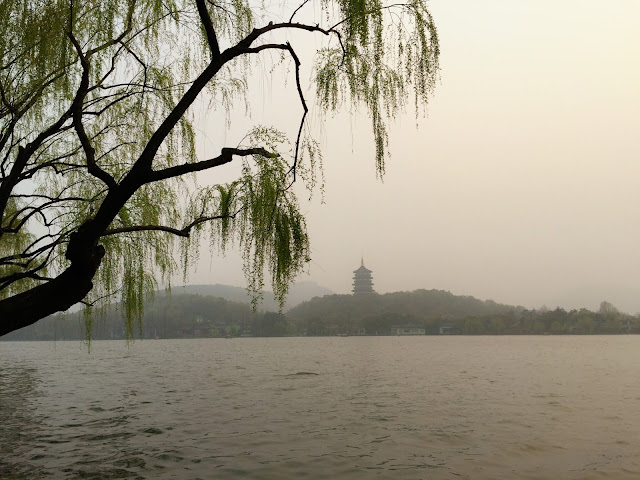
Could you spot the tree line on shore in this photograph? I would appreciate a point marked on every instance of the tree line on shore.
(440, 312)
(435, 311)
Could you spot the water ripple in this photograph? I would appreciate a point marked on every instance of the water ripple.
(436, 408)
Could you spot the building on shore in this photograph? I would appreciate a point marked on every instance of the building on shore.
(362, 280)
(407, 330)
(448, 327)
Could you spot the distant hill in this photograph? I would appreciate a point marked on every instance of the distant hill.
(298, 293)
(228, 292)
(175, 316)
(192, 310)
(380, 312)
(303, 292)
(422, 303)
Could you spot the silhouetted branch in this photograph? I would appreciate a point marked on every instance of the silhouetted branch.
(225, 156)
(183, 232)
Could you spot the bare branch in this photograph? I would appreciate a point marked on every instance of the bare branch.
(303, 102)
(8, 280)
(225, 156)
(209, 30)
(89, 151)
(297, 9)
(144, 228)
(246, 42)
(304, 107)
(183, 232)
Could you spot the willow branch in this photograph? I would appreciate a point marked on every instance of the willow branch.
(373, 10)
(183, 232)
(89, 151)
(225, 156)
(287, 47)
(144, 228)
(212, 39)
(297, 9)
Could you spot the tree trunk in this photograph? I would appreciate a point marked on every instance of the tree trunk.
(56, 295)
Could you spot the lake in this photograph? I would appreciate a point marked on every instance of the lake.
(336, 408)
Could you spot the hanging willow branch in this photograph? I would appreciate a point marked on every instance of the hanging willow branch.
(97, 143)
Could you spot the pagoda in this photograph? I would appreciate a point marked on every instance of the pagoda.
(362, 281)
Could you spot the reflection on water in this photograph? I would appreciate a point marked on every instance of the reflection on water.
(348, 408)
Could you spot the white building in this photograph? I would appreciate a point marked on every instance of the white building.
(407, 330)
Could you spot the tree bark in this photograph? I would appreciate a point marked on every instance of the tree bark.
(56, 295)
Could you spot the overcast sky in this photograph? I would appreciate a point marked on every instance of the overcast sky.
(522, 183)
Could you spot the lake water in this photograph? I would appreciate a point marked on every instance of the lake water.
(336, 408)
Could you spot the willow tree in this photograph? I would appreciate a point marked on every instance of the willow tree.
(97, 135)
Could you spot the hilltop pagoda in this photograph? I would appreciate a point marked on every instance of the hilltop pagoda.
(362, 280)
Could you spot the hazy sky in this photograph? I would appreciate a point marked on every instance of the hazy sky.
(521, 185)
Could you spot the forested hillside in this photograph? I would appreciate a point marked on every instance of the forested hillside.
(298, 293)
(437, 312)
(441, 312)
(377, 313)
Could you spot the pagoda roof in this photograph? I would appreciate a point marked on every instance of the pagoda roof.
(362, 269)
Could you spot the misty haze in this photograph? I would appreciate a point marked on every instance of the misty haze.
(324, 240)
